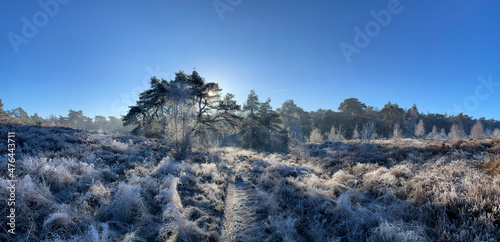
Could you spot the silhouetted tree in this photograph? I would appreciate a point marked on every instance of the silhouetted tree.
(391, 115)
(352, 108)
(182, 111)
(291, 114)
(37, 119)
(252, 104)
(327, 121)
(20, 114)
(262, 130)
(411, 118)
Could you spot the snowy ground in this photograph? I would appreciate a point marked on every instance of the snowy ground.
(79, 186)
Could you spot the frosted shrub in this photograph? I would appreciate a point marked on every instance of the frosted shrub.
(31, 192)
(167, 165)
(496, 133)
(284, 228)
(127, 205)
(99, 193)
(178, 228)
(60, 223)
(398, 232)
(316, 137)
(214, 194)
(379, 180)
(420, 129)
(456, 132)
(368, 131)
(119, 146)
(59, 176)
(397, 132)
(336, 134)
(168, 192)
(477, 131)
(345, 179)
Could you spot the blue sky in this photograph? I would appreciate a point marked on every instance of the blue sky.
(96, 55)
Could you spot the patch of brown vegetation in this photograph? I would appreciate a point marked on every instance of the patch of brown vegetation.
(492, 165)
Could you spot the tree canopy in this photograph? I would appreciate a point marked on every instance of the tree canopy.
(182, 110)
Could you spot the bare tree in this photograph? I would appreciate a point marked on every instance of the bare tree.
(368, 131)
(397, 132)
(356, 134)
(477, 130)
(496, 133)
(336, 134)
(434, 133)
(456, 132)
(420, 129)
(316, 137)
(442, 133)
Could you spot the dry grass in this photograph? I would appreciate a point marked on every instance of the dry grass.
(492, 165)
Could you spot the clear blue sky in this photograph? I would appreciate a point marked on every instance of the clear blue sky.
(95, 55)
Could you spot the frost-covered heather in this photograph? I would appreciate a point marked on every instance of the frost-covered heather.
(80, 186)
(412, 190)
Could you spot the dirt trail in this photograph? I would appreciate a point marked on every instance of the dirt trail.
(241, 221)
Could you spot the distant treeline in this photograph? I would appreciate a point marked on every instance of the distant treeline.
(190, 110)
(75, 119)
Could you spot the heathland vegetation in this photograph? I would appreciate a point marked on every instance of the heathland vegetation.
(191, 164)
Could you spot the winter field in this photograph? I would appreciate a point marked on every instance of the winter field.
(74, 185)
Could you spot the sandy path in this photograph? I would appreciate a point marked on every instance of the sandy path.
(241, 221)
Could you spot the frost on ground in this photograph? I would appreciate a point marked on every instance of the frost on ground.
(242, 221)
(81, 186)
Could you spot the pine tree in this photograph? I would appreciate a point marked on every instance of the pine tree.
(262, 129)
(21, 115)
(182, 110)
(252, 104)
